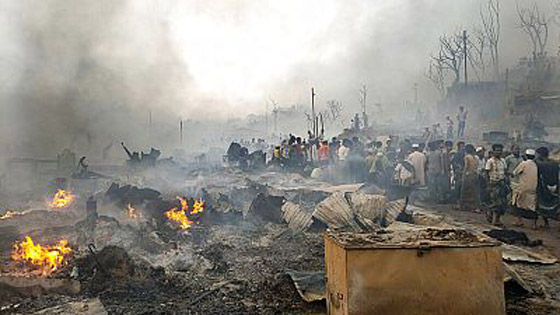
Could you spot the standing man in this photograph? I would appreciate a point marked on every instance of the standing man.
(358, 146)
(524, 190)
(469, 198)
(548, 187)
(418, 160)
(333, 149)
(435, 171)
(462, 120)
(512, 161)
(458, 163)
(446, 165)
(323, 153)
(427, 135)
(390, 151)
(450, 126)
(497, 188)
(356, 122)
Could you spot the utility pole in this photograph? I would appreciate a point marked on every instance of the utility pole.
(314, 126)
(322, 125)
(181, 130)
(465, 55)
(415, 93)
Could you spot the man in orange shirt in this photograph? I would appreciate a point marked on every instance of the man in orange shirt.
(323, 153)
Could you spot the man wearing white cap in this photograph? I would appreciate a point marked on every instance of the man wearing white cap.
(524, 190)
(418, 160)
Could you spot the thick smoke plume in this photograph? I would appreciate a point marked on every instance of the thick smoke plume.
(82, 74)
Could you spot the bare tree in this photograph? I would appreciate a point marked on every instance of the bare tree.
(450, 58)
(436, 75)
(556, 17)
(309, 119)
(535, 24)
(450, 55)
(490, 17)
(334, 110)
(477, 47)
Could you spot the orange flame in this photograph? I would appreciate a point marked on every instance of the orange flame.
(180, 215)
(131, 211)
(62, 199)
(198, 207)
(46, 259)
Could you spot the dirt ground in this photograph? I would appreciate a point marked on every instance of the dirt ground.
(550, 236)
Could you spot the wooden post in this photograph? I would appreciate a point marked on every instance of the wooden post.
(313, 109)
(322, 125)
(181, 131)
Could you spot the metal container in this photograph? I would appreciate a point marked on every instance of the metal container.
(413, 271)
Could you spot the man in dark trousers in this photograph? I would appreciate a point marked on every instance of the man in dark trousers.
(548, 185)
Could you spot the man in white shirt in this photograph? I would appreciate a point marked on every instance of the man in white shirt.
(462, 119)
(343, 150)
(418, 160)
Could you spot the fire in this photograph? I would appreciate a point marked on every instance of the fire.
(131, 211)
(180, 215)
(198, 207)
(46, 259)
(62, 199)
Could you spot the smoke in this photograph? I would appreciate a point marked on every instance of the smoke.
(82, 74)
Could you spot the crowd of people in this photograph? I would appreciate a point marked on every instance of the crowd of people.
(494, 182)
(488, 179)
(491, 180)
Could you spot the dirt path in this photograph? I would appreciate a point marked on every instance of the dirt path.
(550, 236)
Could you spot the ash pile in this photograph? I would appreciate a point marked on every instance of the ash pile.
(131, 249)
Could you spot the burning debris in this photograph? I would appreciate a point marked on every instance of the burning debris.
(62, 199)
(41, 259)
(132, 212)
(180, 215)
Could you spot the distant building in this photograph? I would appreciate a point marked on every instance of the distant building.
(530, 87)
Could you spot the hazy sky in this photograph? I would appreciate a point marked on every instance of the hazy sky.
(82, 67)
